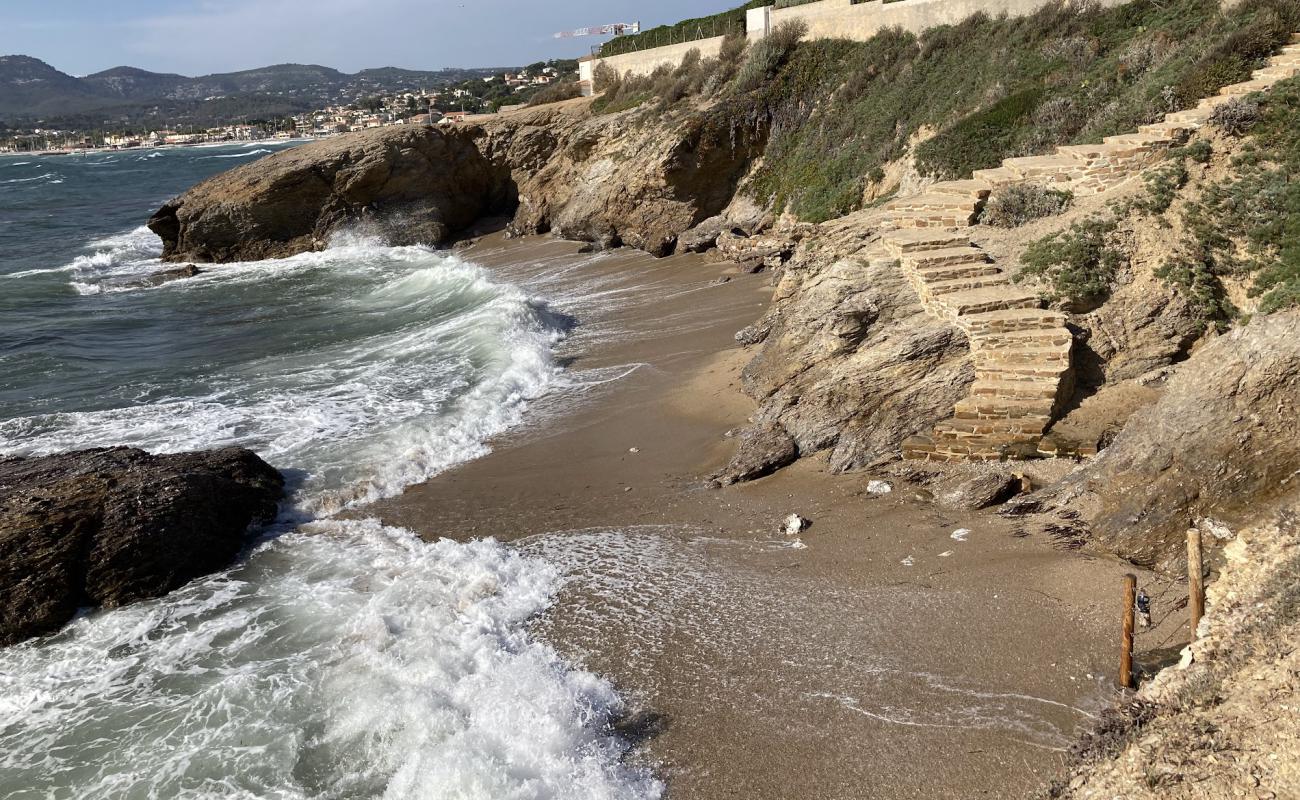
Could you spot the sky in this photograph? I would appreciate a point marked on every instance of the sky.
(195, 37)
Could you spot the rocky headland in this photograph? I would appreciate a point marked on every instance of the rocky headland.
(107, 527)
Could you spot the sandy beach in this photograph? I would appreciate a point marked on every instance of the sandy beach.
(878, 654)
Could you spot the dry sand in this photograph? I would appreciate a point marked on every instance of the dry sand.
(873, 656)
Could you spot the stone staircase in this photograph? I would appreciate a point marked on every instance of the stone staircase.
(1021, 352)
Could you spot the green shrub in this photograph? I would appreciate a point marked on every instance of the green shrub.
(769, 55)
(1077, 265)
(1163, 185)
(556, 93)
(1021, 203)
(1249, 224)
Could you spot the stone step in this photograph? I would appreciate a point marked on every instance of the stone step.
(989, 430)
(1275, 72)
(997, 176)
(1245, 88)
(911, 220)
(938, 289)
(1034, 355)
(925, 448)
(978, 301)
(911, 241)
(934, 202)
(1088, 154)
(1141, 139)
(1035, 337)
(1172, 130)
(1051, 169)
(1049, 375)
(994, 322)
(1015, 390)
(1194, 117)
(1002, 408)
(972, 188)
(948, 255)
(952, 272)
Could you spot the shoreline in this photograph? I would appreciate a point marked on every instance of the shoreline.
(754, 664)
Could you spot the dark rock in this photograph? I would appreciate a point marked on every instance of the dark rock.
(409, 183)
(762, 450)
(753, 334)
(980, 491)
(165, 276)
(702, 237)
(112, 526)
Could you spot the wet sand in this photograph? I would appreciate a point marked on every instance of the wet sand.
(873, 656)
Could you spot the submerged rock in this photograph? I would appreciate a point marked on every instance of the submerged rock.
(166, 276)
(108, 527)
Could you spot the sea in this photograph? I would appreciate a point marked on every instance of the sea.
(339, 658)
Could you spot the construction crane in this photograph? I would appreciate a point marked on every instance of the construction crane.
(616, 29)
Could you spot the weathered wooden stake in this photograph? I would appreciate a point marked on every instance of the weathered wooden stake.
(1195, 584)
(1126, 643)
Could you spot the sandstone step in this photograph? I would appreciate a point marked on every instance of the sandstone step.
(1002, 408)
(952, 272)
(1015, 390)
(1089, 154)
(911, 220)
(1004, 321)
(910, 241)
(936, 289)
(1275, 72)
(1033, 355)
(1049, 375)
(1245, 88)
(971, 188)
(1140, 139)
(989, 430)
(978, 301)
(925, 448)
(1195, 117)
(1173, 130)
(997, 176)
(1051, 169)
(948, 255)
(1056, 337)
(934, 202)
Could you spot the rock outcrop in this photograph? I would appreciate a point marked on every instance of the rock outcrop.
(410, 183)
(610, 180)
(1219, 444)
(112, 526)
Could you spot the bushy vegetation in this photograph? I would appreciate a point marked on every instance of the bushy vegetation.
(667, 86)
(1249, 224)
(556, 92)
(1236, 116)
(1162, 187)
(992, 88)
(1022, 203)
(1078, 265)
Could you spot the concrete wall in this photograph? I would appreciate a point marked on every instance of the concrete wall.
(643, 62)
(840, 19)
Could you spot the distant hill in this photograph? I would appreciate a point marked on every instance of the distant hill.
(32, 90)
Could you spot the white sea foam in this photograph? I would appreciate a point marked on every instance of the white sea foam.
(452, 360)
(345, 660)
(258, 152)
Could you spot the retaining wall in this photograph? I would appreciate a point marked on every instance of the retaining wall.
(643, 62)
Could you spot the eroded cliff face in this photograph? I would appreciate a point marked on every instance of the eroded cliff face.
(631, 178)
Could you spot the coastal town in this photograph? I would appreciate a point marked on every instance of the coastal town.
(446, 104)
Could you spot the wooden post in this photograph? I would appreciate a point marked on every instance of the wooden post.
(1126, 643)
(1195, 583)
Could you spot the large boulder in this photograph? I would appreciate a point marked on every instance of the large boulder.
(410, 183)
(1220, 444)
(112, 526)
